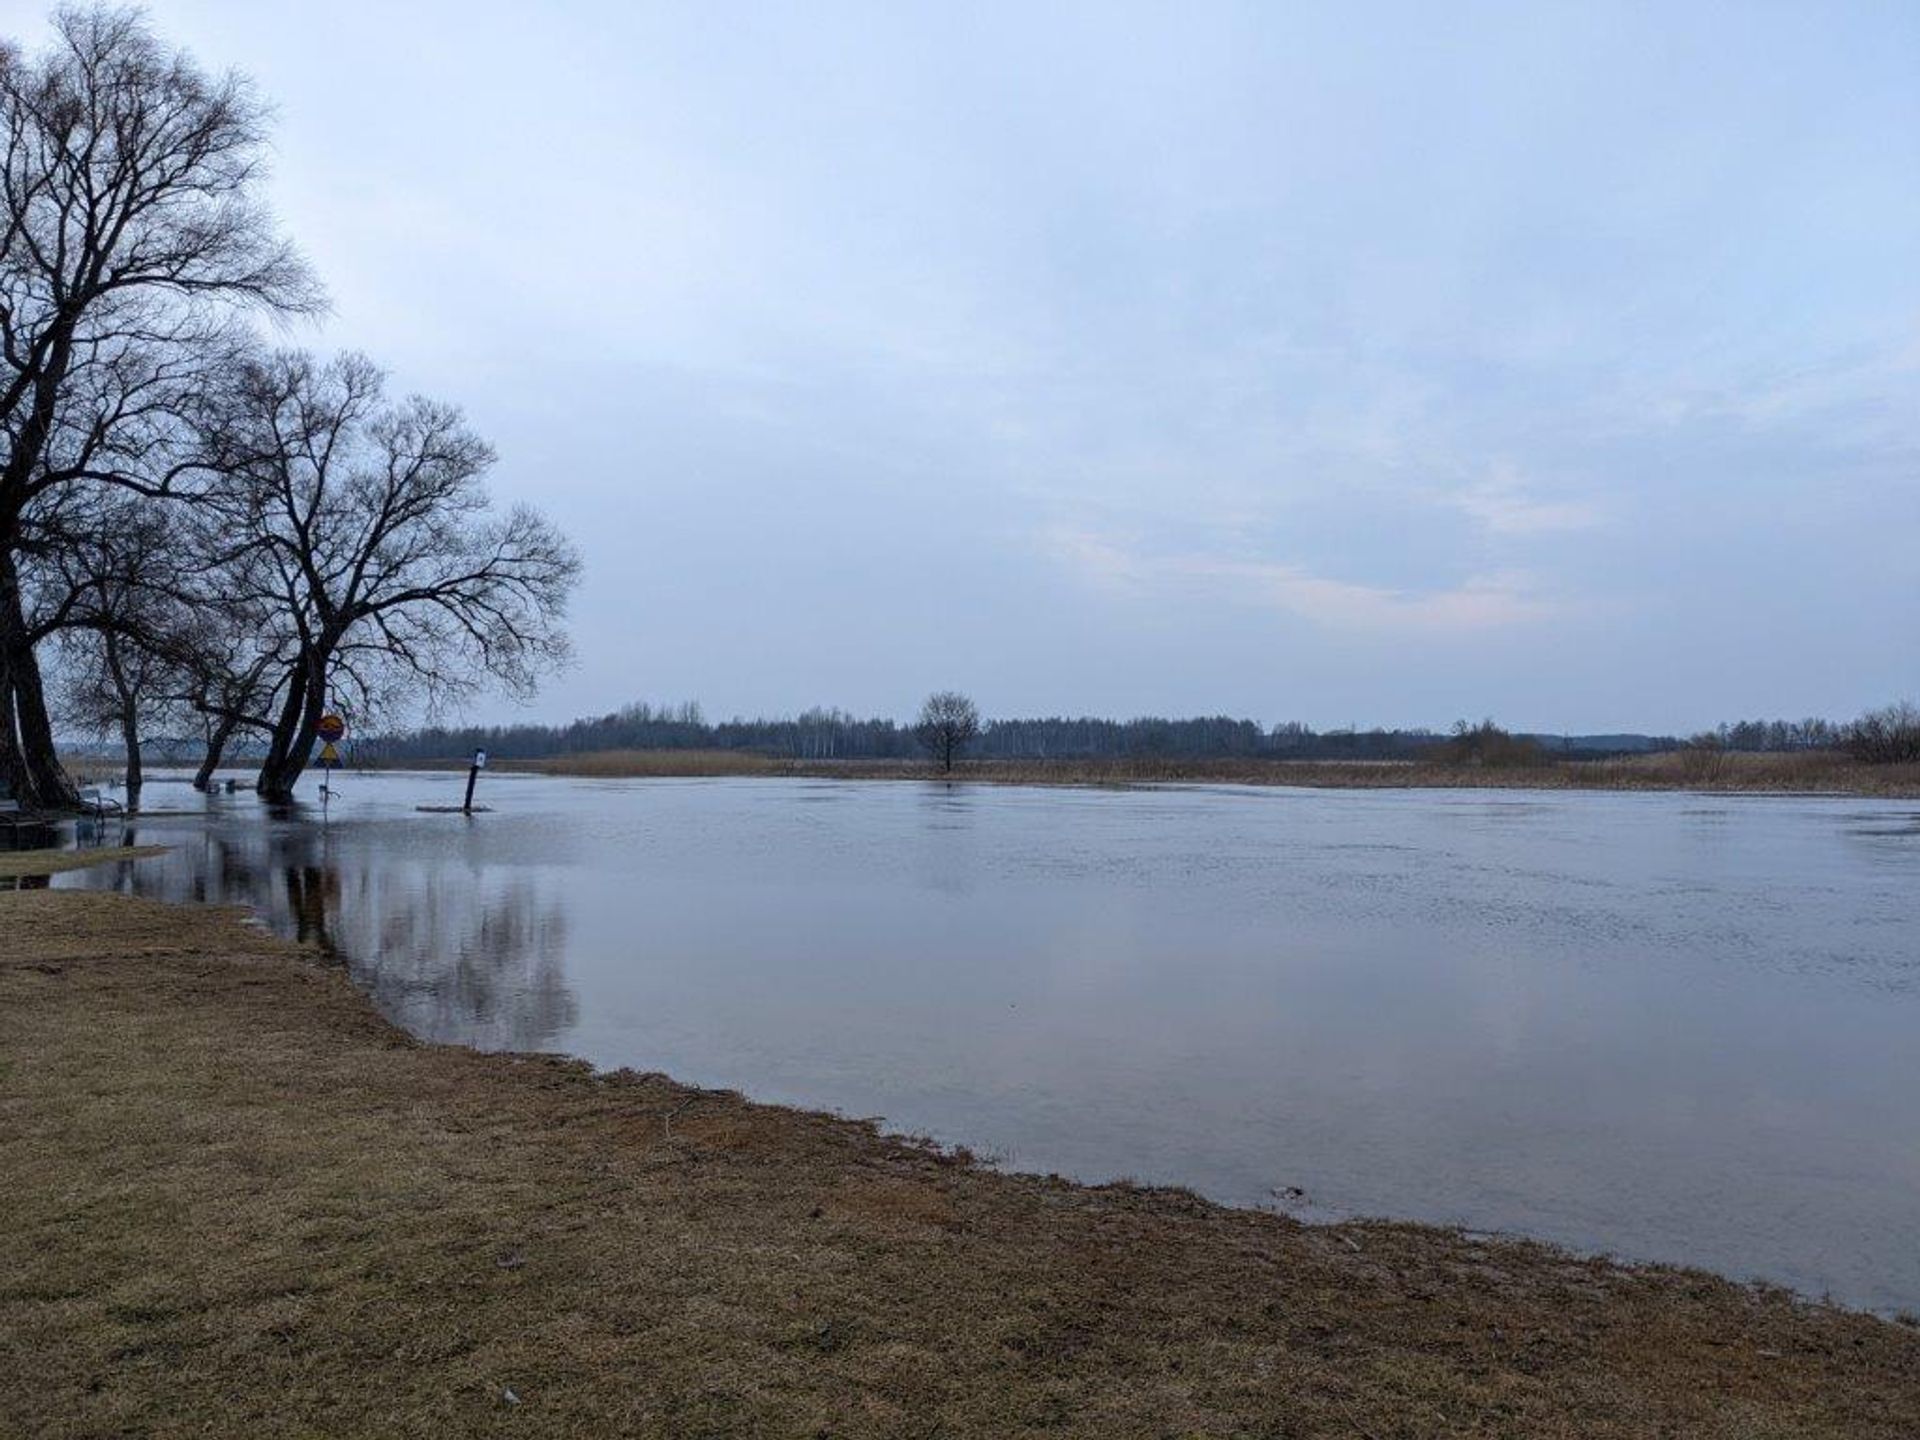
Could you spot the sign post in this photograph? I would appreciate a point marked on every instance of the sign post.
(331, 728)
(473, 774)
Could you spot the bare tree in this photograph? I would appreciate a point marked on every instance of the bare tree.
(948, 723)
(1487, 744)
(366, 527)
(113, 686)
(1887, 736)
(229, 675)
(130, 237)
(127, 633)
(147, 625)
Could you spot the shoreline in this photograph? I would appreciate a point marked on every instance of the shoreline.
(1671, 772)
(239, 1187)
(1806, 776)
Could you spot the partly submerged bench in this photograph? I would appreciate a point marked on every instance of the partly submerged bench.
(97, 802)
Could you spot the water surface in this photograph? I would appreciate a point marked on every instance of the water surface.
(1670, 1027)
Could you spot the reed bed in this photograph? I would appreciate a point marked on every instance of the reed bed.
(1818, 772)
(641, 764)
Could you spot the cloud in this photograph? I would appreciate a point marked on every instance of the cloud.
(1861, 397)
(1503, 505)
(1477, 603)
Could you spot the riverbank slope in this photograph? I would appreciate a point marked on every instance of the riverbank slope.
(238, 1202)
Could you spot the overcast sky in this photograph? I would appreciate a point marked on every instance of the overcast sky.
(1349, 363)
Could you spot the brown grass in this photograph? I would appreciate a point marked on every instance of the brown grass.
(1817, 772)
(1806, 773)
(237, 1203)
(620, 764)
(25, 864)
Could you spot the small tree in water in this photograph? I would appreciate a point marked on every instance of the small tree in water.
(947, 725)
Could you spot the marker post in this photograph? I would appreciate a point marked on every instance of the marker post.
(473, 774)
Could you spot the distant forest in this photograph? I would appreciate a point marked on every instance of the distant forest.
(830, 734)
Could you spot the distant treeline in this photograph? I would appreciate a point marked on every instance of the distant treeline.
(831, 734)
(1770, 735)
(1888, 734)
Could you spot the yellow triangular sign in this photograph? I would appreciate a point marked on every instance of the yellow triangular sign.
(329, 755)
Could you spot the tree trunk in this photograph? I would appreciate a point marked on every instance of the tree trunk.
(11, 781)
(296, 729)
(130, 736)
(129, 718)
(217, 739)
(277, 773)
(34, 775)
(28, 761)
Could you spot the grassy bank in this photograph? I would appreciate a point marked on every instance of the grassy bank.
(37, 864)
(1729, 773)
(239, 1203)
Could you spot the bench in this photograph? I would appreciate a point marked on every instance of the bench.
(97, 803)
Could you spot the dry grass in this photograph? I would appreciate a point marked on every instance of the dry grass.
(620, 764)
(32, 864)
(238, 1203)
(1817, 772)
(1809, 773)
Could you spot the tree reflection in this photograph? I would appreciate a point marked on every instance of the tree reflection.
(946, 853)
(448, 949)
(465, 956)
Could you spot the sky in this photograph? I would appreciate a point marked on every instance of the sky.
(1355, 364)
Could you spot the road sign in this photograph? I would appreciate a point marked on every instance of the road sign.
(332, 727)
(328, 755)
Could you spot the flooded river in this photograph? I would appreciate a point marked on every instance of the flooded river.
(1669, 1027)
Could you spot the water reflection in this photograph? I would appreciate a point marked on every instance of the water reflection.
(946, 859)
(449, 953)
(1671, 1029)
(458, 961)
(83, 833)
